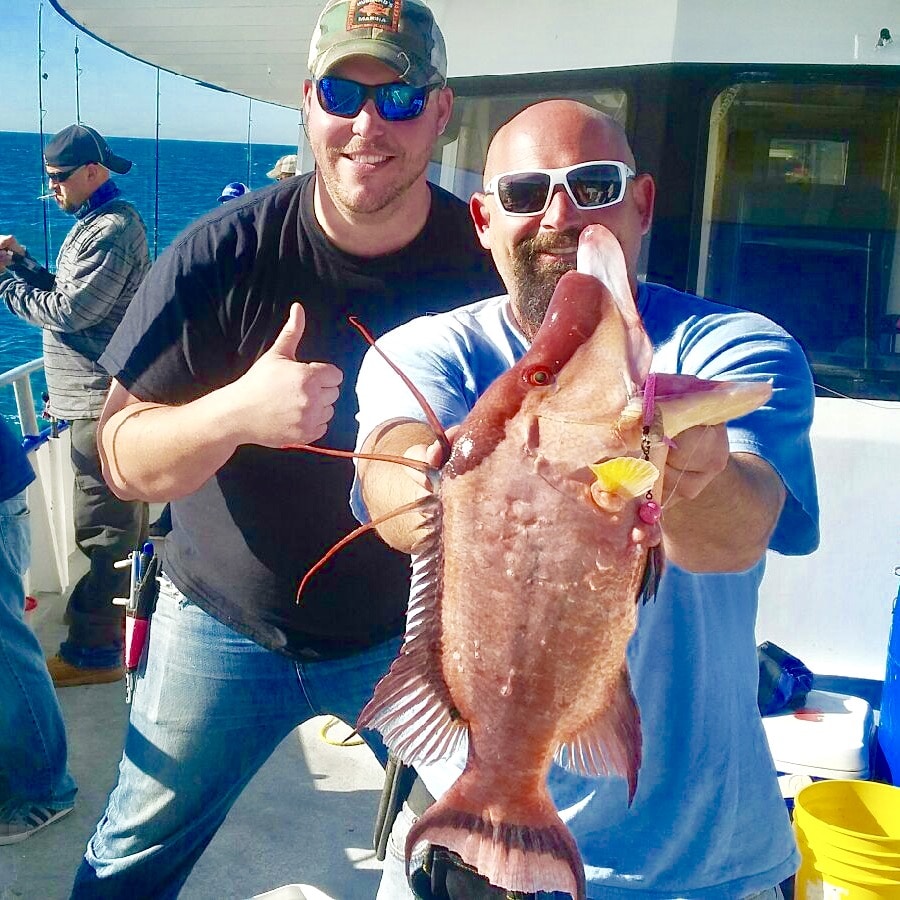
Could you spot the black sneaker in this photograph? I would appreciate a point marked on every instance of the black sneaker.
(22, 822)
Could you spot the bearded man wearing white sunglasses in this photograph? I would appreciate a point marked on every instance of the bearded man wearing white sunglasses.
(707, 819)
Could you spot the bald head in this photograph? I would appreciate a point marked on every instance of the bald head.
(533, 250)
(538, 131)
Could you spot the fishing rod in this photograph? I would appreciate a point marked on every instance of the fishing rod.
(41, 113)
(249, 144)
(78, 72)
(156, 176)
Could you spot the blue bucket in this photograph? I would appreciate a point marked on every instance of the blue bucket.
(889, 723)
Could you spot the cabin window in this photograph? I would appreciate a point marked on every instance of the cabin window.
(799, 222)
(458, 159)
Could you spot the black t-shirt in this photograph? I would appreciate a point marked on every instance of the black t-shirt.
(210, 306)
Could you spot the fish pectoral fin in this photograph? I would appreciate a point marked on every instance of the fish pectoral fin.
(610, 743)
(411, 706)
(414, 715)
(627, 476)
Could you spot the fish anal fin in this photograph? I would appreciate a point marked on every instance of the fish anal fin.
(411, 706)
(532, 856)
(610, 742)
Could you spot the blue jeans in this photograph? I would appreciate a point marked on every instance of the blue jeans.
(32, 735)
(210, 708)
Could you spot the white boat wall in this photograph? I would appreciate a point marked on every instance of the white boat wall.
(771, 130)
(50, 494)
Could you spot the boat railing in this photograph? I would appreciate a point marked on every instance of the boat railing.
(50, 494)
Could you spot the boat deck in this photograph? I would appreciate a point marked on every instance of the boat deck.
(305, 819)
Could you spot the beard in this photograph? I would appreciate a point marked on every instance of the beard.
(67, 205)
(371, 199)
(534, 279)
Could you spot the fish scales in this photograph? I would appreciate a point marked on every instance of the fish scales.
(561, 613)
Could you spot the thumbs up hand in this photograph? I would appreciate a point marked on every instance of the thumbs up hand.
(282, 402)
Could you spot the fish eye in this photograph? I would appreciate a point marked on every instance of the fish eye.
(539, 376)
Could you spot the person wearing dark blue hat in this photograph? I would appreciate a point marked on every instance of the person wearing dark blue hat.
(102, 261)
(233, 190)
(79, 145)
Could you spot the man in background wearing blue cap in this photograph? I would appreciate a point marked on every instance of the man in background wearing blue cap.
(218, 372)
(100, 265)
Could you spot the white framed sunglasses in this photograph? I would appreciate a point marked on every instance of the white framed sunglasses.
(590, 185)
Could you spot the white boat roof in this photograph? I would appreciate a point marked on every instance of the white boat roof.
(258, 48)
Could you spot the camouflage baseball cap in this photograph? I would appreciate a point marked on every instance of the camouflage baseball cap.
(400, 33)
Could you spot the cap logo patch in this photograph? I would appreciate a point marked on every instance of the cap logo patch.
(383, 14)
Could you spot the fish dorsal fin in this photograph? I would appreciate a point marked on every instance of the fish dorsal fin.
(411, 705)
(610, 743)
(600, 255)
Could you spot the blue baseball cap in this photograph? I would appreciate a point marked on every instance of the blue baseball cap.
(233, 190)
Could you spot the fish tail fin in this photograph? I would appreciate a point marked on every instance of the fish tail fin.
(538, 856)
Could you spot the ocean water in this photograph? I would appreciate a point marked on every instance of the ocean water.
(191, 177)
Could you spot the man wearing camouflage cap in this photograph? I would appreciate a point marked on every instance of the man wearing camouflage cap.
(207, 396)
(411, 44)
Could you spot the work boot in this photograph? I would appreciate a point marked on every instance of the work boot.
(64, 674)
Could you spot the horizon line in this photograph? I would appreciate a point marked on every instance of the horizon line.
(131, 137)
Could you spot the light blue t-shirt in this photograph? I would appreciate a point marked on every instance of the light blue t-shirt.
(708, 820)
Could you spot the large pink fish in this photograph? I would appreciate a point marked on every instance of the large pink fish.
(535, 559)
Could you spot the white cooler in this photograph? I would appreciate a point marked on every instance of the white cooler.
(830, 737)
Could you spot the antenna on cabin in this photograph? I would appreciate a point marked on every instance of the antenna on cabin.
(78, 71)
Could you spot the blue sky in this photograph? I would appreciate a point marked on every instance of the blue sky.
(117, 94)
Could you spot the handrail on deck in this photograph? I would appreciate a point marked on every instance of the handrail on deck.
(21, 383)
(50, 494)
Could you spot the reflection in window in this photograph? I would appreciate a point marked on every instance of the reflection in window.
(808, 162)
(800, 223)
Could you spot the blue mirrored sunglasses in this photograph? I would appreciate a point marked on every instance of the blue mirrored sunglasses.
(395, 102)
